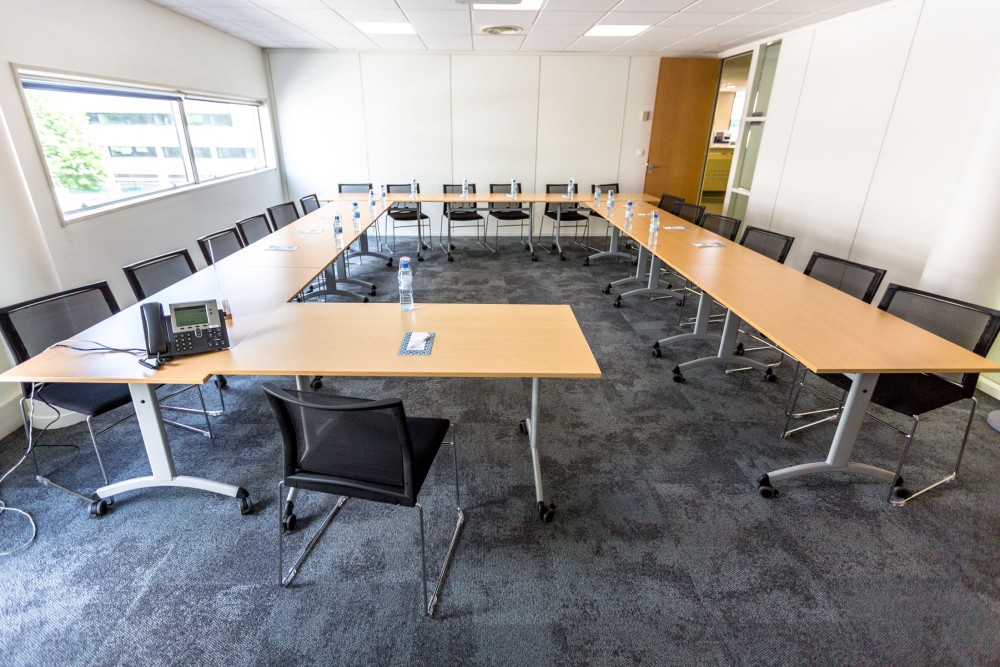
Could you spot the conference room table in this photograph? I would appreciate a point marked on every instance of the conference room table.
(272, 335)
(825, 329)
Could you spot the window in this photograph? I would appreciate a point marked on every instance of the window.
(96, 137)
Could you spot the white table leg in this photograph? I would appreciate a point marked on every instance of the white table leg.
(612, 250)
(641, 262)
(725, 354)
(701, 322)
(161, 461)
(546, 511)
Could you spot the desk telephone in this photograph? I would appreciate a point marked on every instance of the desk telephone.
(190, 328)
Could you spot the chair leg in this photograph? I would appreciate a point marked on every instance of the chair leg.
(285, 580)
(901, 497)
(97, 450)
(431, 603)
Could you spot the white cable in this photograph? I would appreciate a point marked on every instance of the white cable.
(34, 528)
(3, 505)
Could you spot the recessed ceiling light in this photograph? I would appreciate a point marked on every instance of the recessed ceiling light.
(386, 28)
(615, 30)
(501, 29)
(524, 5)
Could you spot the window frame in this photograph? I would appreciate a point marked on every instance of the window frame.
(54, 80)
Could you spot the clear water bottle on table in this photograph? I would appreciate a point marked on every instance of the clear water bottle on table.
(371, 198)
(629, 214)
(338, 232)
(597, 194)
(413, 188)
(405, 285)
(654, 229)
(356, 216)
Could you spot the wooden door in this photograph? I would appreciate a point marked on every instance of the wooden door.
(682, 121)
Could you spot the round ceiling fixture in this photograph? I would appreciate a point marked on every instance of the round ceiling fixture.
(501, 29)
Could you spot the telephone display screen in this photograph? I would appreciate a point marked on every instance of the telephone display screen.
(190, 316)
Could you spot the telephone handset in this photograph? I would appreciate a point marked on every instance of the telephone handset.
(190, 328)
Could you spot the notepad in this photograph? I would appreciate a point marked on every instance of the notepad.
(417, 343)
(310, 231)
(282, 248)
(676, 227)
(708, 244)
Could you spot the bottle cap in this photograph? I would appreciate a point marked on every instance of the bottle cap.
(404, 262)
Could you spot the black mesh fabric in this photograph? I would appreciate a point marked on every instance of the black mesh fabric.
(309, 203)
(569, 212)
(42, 324)
(848, 277)
(457, 214)
(689, 212)
(908, 393)
(769, 244)
(86, 398)
(721, 225)
(667, 202)
(283, 214)
(220, 244)
(354, 187)
(160, 274)
(505, 210)
(254, 228)
(404, 211)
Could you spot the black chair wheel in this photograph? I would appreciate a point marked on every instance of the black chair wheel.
(764, 487)
(451, 245)
(738, 350)
(534, 257)
(522, 426)
(546, 511)
(562, 257)
(373, 291)
(365, 300)
(424, 246)
(656, 353)
(288, 523)
(617, 303)
(586, 262)
(389, 263)
(554, 246)
(420, 258)
(98, 507)
(246, 507)
(656, 345)
(678, 377)
(681, 301)
(900, 492)
(607, 290)
(450, 258)
(527, 247)
(316, 383)
(769, 376)
(221, 382)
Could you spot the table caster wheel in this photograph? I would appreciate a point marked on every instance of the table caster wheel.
(617, 303)
(451, 245)
(522, 426)
(562, 257)
(288, 523)
(900, 492)
(316, 383)
(607, 290)
(450, 258)
(764, 487)
(373, 291)
(98, 507)
(420, 257)
(389, 263)
(769, 376)
(586, 262)
(553, 246)
(534, 257)
(546, 511)
(656, 353)
(738, 350)
(424, 246)
(221, 382)
(246, 507)
(365, 300)
(678, 376)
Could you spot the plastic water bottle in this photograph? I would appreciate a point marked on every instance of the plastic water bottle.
(611, 198)
(413, 188)
(356, 216)
(371, 198)
(381, 192)
(597, 194)
(569, 188)
(338, 232)
(654, 229)
(513, 188)
(465, 188)
(629, 213)
(405, 285)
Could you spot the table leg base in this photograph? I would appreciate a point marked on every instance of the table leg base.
(229, 490)
(765, 482)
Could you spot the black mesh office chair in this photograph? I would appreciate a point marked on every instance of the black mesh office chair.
(690, 212)
(566, 213)
(408, 214)
(913, 394)
(282, 214)
(722, 225)
(254, 228)
(667, 202)
(509, 214)
(309, 204)
(354, 187)
(31, 327)
(357, 448)
(464, 213)
(149, 276)
(220, 244)
(770, 244)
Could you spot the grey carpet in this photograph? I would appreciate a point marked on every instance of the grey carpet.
(661, 553)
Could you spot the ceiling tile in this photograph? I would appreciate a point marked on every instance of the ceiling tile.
(853, 6)
(579, 5)
(399, 42)
(559, 30)
(448, 42)
(204, 4)
(694, 19)
(316, 20)
(672, 32)
(438, 5)
(373, 15)
(443, 29)
(265, 27)
(709, 6)
(543, 43)
(652, 5)
(289, 4)
(361, 4)
(792, 6)
(354, 42)
(423, 16)
(597, 43)
(569, 18)
(195, 13)
(497, 42)
(241, 13)
(635, 18)
(481, 18)
(763, 20)
(644, 44)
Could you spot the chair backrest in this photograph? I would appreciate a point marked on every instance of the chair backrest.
(401, 188)
(32, 326)
(689, 212)
(667, 202)
(550, 207)
(967, 325)
(722, 225)
(309, 204)
(363, 445)
(504, 188)
(605, 187)
(354, 187)
(254, 228)
(858, 280)
(151, 275)
(770, 244)
(222, 243)
(451, 189)
(282, 214)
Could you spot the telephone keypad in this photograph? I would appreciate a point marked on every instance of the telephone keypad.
(200, 339)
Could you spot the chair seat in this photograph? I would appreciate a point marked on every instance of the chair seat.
(510, 215)
(464, 216)
(908, 393)
(91, 399)
(328, 462)
(405, 215)
(568, 216)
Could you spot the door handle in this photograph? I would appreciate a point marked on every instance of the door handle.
(650, 168)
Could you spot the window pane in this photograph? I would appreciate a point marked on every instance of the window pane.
(226, 137)
(764, 79)
(748, 156)
(102, 148)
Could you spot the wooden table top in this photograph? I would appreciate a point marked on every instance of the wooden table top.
(485, 198)
(363, 339)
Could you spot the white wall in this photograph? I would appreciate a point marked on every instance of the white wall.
(439, 118)
(124, 40)
(874, 142)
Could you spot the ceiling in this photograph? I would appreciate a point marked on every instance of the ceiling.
(676, 27)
